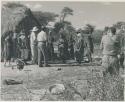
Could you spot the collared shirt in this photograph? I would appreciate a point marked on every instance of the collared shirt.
(110, 45)
(33, 38)
(42, 36)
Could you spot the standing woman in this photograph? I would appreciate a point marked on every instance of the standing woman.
(8, 48)
(79, 48)
(88, 46)
(15, 46)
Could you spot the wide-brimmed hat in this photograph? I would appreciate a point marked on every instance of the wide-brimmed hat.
(34, 29)
(79, 30)
(79, 35)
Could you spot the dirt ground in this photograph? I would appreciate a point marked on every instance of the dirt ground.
(41, 78)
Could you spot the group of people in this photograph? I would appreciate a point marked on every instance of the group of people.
(39, 45)
(22, 46)
(42, 48)
(67, 49)
(75, 48)
(14, 45)
(113, 49)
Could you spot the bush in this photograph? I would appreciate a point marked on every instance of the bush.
(97, 36)
(109, 88)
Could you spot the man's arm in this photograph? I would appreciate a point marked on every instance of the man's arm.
(45, 36)
(31, 38)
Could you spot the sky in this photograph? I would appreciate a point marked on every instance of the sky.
(100, 14)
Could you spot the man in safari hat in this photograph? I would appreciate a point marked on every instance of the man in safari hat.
(33, 44)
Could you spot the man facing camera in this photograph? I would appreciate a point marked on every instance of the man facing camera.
(110, 45)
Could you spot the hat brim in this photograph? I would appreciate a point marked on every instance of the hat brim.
(22, 33)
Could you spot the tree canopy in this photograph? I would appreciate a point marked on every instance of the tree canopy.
(89, 28)
(45, 17)
(65, 12)
(119, 24)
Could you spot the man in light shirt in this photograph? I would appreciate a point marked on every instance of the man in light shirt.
(110, 45)
(42, 49)
(33, 44)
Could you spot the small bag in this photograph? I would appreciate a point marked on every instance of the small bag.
(20, 64)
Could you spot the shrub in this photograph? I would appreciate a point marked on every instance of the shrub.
(109, 88)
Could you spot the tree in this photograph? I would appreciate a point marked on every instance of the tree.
(59, 25)
(66, 25)
(44, 17)
(65, 12)
(70, 32)
(89, 28)
(97, 36)
(119, 24)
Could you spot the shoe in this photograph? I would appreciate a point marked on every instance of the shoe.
(47, 65)
(40, 65)
(32, 63)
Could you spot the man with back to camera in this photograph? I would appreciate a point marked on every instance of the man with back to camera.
(42, 48)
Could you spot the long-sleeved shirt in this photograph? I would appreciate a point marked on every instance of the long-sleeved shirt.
(42, 37)
(110, 45)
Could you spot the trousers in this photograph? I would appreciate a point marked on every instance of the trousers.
(34, 53)
(42, 52)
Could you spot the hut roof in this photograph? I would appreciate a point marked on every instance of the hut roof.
(16, 17)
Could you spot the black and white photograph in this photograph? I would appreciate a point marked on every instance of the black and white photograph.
(62, 50)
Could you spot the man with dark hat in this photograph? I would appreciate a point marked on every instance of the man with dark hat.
(23, 46)
(63, 46)
(50, 48)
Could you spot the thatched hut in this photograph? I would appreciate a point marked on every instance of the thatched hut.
(15, 17)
